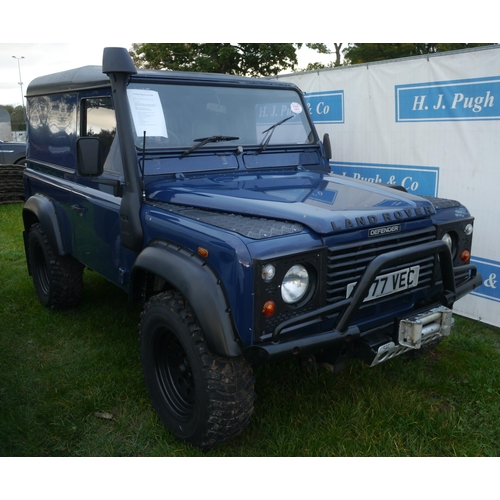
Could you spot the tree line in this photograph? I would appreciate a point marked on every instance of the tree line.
(260, 59)
(265, 59)
(17, 121)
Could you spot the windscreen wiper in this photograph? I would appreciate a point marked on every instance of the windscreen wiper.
(271, 129)
(205, 140)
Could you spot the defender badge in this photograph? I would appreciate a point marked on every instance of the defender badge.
(382, 231)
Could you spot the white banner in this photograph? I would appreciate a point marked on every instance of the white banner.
(431, 124)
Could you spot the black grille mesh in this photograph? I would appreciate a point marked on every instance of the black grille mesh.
(347, 263)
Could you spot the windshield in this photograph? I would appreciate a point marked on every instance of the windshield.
(183, 116)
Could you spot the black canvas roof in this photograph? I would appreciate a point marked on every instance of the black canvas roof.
(88, 77)
(72, 79)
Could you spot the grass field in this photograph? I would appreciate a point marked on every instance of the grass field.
(71, 385)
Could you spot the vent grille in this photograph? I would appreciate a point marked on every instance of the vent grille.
(347, 263)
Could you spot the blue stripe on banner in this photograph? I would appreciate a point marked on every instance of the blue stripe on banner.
(423, 181)
(326, 107)
(474, 99)
(490, 271)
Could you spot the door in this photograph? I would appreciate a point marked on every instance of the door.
(96, 206)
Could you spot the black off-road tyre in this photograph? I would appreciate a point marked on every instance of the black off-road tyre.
(200, 397)
(11, 183)
(58, 279)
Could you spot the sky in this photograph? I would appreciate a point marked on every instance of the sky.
(45, 58)
(53, 36)
(42, 59)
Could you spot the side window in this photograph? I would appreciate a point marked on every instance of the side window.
(98, 120)
(52, 128)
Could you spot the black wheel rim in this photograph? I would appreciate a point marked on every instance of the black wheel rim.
(41, 270)
(174, 374)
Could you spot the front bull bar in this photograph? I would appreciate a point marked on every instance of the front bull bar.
(348, 308)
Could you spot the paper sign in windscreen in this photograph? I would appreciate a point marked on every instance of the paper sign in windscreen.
(147, 113)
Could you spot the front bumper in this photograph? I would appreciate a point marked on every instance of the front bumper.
(344, 330)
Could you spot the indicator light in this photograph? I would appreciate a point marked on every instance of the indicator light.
(268, 272)
(465, 256)
(202, 252)
(269, 308)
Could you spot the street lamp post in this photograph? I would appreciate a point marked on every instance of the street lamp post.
(20, 80)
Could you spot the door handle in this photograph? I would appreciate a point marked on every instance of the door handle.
(79, 209)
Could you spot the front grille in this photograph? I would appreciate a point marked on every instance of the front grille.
(344, 264)
(347, 263)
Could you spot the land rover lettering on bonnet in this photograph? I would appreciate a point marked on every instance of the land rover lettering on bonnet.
(209, 199)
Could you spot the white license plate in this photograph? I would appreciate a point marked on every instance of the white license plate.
(387, 284)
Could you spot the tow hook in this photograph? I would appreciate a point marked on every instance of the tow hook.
(309, 364)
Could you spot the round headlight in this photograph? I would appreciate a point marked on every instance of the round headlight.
(448, 239)
(295, 284)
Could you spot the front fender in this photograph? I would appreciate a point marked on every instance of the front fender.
(198, 283)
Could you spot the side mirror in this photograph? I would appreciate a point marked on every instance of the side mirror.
(327, 145)
(88, 156)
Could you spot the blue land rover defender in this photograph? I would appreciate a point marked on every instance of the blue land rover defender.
(209, 199)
